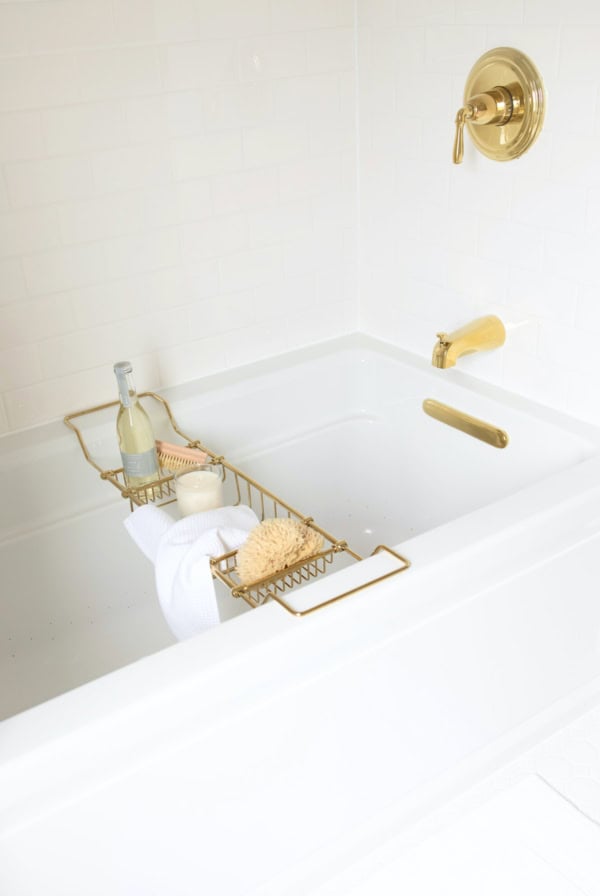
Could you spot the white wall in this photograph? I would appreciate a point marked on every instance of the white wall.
(442, 244)
(177, 187)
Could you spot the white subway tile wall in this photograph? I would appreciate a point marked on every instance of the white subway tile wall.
(441, 244)
(177, 186)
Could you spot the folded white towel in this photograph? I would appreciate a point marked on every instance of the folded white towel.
(181, 554)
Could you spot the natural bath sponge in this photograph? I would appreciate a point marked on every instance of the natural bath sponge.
(274, 545)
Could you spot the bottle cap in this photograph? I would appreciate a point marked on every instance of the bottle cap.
(123, 367)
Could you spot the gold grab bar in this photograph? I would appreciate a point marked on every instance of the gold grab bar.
(472, 426)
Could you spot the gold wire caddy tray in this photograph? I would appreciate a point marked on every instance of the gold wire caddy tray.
(242, 489)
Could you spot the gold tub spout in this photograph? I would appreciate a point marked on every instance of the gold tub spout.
(478, 336)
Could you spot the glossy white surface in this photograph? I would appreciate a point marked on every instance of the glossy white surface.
(307, 742)
(568, 761)
(341, 435)
(526, 840)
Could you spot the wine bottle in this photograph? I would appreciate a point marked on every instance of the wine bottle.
(134, 431)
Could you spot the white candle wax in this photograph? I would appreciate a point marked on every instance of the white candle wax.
(198, 490)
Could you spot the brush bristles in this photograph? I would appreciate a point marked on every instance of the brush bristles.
(169, 462)
(178, 457)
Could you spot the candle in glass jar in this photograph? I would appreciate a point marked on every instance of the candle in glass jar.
(199, 488)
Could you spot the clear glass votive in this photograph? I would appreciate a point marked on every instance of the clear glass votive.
(199, 488)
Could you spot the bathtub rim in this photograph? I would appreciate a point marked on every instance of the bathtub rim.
(43, 750)
(166, 677)
(570, 487)
(56, 438)
(356, 342)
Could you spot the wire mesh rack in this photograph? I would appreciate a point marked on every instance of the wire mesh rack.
(240, 489)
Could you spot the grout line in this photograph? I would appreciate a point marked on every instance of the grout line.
(569, 801)
(357, 177)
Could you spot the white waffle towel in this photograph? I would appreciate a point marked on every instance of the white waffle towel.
(181, 554)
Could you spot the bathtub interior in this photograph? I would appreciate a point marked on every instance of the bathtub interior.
(340, 435)
(348, 443)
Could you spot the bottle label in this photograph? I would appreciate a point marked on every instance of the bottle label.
(137, 465)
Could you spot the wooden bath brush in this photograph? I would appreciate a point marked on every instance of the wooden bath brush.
(274, 545)
(178, 457)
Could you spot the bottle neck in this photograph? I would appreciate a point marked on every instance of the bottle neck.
(127, 393)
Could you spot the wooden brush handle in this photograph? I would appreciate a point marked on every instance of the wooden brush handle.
(181, 452)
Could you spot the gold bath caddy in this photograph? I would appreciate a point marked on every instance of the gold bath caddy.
(242, 489)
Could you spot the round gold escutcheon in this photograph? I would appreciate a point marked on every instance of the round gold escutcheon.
(509, 71)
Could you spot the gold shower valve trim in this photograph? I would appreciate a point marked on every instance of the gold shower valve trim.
(504, 105)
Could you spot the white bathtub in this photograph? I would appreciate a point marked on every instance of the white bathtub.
(262, 755)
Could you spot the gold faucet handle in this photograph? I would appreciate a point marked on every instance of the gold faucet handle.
(463, 114)
(443, 338)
